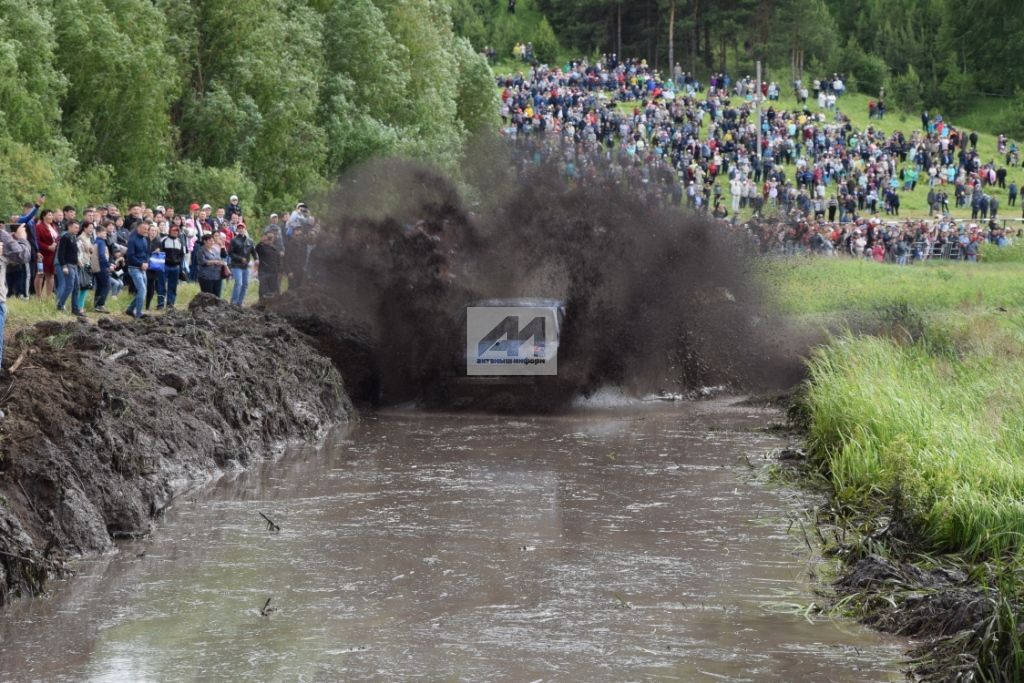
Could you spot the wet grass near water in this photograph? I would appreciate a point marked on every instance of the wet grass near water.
(915, 423)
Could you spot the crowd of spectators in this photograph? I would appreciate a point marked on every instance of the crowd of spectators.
(900, 242)
(685, 142)
(61, 256)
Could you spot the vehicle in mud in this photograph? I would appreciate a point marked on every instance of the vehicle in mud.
(504, 357)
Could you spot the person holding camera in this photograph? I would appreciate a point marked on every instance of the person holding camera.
(14, 249)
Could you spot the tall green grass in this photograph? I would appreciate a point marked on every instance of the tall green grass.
(936, 426)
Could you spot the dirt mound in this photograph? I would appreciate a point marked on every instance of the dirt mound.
(105, 424)
(345, 341)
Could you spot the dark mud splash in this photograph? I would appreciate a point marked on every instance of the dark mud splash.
(105, 424)
(657, 299)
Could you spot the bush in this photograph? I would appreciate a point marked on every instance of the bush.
(907, 92)
(869, 71)
(1014, 116)
(957, 91)
(1014, 253)
(545, 44)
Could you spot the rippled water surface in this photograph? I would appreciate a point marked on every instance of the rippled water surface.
(608, 545)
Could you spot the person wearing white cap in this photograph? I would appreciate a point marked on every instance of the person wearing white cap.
(276, 229)
(300, 218)
(232, 208)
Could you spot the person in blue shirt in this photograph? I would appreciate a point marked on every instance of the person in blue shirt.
(103, 272)
(137, 261)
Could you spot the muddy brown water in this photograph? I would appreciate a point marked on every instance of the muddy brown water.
(634, 543)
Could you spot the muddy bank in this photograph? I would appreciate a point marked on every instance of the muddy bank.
(106, 424)
(967, 627)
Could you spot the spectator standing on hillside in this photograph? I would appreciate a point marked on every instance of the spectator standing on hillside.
(241, 255)
(67, 264)
(174, 248)
(155, 267)
(46, 238)
(233, 208)
(102, 271)
(275, 229)
(270, 260)
(209, 266)
(1011, 194)
(87, 263)
(136, 259)
(14, 249)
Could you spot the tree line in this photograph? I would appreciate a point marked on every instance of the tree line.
(184, 100)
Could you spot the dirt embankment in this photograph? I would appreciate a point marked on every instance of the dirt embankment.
(106, 424)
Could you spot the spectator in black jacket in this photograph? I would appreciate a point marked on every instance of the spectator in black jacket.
(271, 261)
(241, 255)
(67, 269)
(102, 273)
(174, 247)
(233, 208)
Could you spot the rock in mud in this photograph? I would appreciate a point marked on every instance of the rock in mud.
(106, 424)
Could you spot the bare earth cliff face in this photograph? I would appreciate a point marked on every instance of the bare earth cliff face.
(106, 424)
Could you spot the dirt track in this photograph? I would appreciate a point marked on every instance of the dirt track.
(106, 424)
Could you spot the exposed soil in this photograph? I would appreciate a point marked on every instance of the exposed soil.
(105, 424)
(952, 614)
(958, 618)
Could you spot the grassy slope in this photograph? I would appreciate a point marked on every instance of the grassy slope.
(825, 286)
(932, 411)
(913, 204)
(24, 313)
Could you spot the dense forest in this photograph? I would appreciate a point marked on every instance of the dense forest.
(176, 100)
(271, 99)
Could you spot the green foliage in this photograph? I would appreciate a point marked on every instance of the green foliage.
(117, 106)
(893, 416)
(957, 91)
(138, 99)
(907, 91)
(477, 102)
(1013, 253)
(194, 182)
(30, 83)
(866, 73)
(1013, 117)
(469, 20)
(844, 285)
(545, 44)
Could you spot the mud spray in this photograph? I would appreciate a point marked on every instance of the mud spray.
(657, 299)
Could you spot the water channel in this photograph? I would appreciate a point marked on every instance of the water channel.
(639, 542)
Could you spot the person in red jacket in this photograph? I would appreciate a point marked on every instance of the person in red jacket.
(47, 237)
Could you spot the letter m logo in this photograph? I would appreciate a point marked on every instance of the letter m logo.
(506, 337)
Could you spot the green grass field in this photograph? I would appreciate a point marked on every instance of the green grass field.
(915, 420)
(816, 285)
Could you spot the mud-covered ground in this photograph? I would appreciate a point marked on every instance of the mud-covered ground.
(106, 424)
